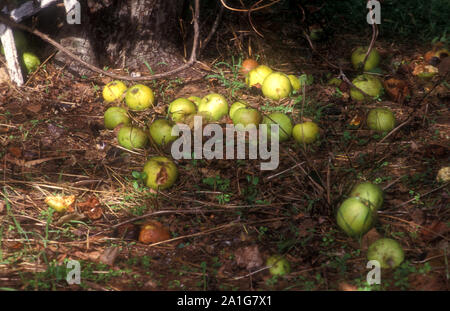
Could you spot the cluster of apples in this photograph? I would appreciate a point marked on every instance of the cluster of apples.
(276, 86)
(29, 59)
(358, 214)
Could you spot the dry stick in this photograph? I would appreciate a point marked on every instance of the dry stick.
(249, 10)
(395, 130)
(193, 58)
(251, 20)
(212, 31)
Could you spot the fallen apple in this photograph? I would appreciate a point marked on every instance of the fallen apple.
(31, 61)
(248, 65)
(161, 132)
(425, 71)
(215, 105)
(153, 232)
(388, 252)
(295, 82)
(161, 173)
(306, 132)
(369, 84)
(276, 86)
(380, 120)
(139, 97)
(278, 265)
(114, 116)
(60, 203)
(195, 99)
(284, 122)
(180, 108)
(354, 217)
(370, 193)
(246, 116)
(236, 106)
(113, 91)
(256, 76)
(359, 54)
(132, 137)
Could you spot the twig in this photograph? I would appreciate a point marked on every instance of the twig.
(193, 58)
(249, 10)
(212, 31)
(395, 130)
(374, 37)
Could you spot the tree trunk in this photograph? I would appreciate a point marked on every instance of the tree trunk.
(128, 34)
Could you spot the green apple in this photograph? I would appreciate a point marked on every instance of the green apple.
(373, 60)
(236, 106)
(295, 82)
(257, 75)
(246, 116)
(214, 105)
(381, 120)
(284, 122)
(306, 132)
(114, 116)
(388, 252)
(31, 61)
(335, 82)
(161, 132)
(276, 86)
(354, 217)
(369, 193)
(139, 97)
(161, 173)
(278, 265)
(195, 99)
(369, 84)
(132, 137)
(180, 108)
(114, 91)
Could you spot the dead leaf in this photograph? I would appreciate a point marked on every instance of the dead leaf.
(369, 238)
(15, 151)
(436, 229)
(35, 107)
(2, 206)
(344, 286)
(248, 257)
(127, 232)
(356, 120)
(109, 255)
(91, 208)
(397, 89)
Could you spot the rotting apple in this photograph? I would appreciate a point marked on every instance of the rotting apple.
(370, 193)
(161, 173)
(214, 105)
(161, 132)
(139, 97)
(236, 106)
(278, 265)
(381, 120)
(31, 61)
(354, 217)
(256, 76)
(113, 91)
(131, 137)
(443, 175)
(276, 86)
(248, 65)
(306, 132)
(369, 84)
(358, 55)
(284, 122)
(388, 252)
(180, 108)
(153, 232)
(246, 116)
(114, 116)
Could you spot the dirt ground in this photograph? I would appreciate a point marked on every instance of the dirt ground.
(226, 217)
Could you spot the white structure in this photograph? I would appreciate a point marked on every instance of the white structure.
(6, 35)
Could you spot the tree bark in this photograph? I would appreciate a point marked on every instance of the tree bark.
(127, 34)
